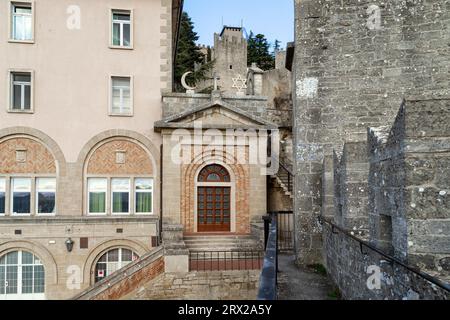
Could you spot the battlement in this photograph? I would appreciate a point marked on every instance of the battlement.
(229, 35)
(227, 31)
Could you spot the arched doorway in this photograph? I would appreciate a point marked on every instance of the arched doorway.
(22, 276)
(214, 199)
(112, 261)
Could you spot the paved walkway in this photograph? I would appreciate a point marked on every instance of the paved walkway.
(296, 283)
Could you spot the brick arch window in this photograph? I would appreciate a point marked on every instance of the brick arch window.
(119, 179)
(28, 178)
(22, 276)
(112, 261)
(214, 173)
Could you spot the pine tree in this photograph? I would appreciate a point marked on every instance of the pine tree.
(276, 45)
(259, 52)
(188, 53)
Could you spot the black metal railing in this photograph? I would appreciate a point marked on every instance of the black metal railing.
(269, 274)
(364, 244)
(285, 237)
(285, 171)
(226, 260)
(161, 199)
(285, 229)
(286, 176)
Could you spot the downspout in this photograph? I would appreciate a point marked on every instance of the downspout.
(175, 45)
(161, 196)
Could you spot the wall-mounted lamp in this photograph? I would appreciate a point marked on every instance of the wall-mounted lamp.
(69, 244)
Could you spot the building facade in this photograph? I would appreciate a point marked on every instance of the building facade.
(90, 141)
(352, 68)
(371, 108)
(79, 159)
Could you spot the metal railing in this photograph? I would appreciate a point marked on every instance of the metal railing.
(285, 224)
(226, 260)
(285, 171)
(285, 229)
(286, 176)
(269, 274)
(364, 244)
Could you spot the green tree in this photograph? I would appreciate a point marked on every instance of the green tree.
(188, 53)
(276, 46)
(259, 52)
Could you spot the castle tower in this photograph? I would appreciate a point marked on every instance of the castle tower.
(230, 53)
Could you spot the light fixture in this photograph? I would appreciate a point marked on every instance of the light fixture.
(69, 244)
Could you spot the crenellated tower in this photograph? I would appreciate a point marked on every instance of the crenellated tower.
(230, 54)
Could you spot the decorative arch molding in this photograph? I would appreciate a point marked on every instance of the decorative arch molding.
(219, 161)
(51, 270)
(102, 248)
(231, 184)
(49, 143)
(102, 159)
(114, 135)
(91, 145)
(222, 158)
(239, 175)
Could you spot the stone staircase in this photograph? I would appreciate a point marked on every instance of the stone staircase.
(285, 180)
(222, 243)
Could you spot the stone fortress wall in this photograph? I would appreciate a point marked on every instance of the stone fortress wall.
(351, 73)
(393, 192)
(354, 64)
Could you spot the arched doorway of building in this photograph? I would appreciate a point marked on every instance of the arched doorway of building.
(112, 261)
(214, 199)
(22, 276)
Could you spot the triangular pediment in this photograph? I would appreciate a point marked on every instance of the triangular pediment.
(218, 115)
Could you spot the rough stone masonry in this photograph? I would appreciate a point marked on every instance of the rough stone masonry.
(407, 211)
(355, 61)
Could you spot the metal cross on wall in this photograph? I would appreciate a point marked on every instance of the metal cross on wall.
(239, 83)
(216, 80)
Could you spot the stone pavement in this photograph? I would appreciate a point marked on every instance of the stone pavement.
(295, 283)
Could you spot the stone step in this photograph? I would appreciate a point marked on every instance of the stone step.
(222, 247)
(284, 186)
(221, 243)
(218, 237)
(205, 241)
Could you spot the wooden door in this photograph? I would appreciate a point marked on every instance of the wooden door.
(213, 208)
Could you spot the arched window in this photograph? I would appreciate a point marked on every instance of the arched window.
(112, 261)
(22, 275)
(119, 180)
(30, 172)
(214, 173)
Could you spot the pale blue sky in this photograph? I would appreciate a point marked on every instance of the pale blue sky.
(273, 18)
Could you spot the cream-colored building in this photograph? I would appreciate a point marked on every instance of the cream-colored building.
(88, 129)
(81, 86)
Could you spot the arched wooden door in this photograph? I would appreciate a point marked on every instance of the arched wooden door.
(214, 200)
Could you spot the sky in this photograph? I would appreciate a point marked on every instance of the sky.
(273, 18)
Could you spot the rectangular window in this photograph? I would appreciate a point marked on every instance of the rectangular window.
(21, 196)
(121, 28)
(2, 195)
(21, 21)
(121, 103)
(144, 196)
(45, 195)
(20, 91)
(385, 233)
(97, 189)
(120, 189)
